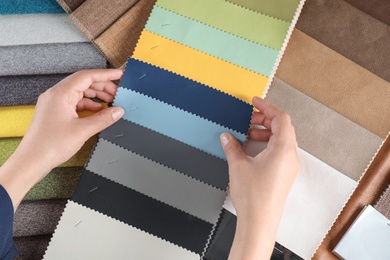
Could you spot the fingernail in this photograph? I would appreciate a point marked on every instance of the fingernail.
(225, 139)
(117, 113)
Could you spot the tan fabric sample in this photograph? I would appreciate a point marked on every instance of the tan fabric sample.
(374, 181)
(118, 42)
(350, 32)
(93, 17)
(336, 82)
(380, 9)
(70, 5)
(325, 134)
(383, 204)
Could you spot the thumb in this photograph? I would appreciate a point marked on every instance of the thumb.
(232, 148)
(101, 120)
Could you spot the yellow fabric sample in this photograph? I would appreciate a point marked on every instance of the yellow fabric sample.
(14, 120)
(198, 66)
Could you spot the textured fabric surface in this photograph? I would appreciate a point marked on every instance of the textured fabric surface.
(350, 32)
(198, 66)
(25, 90)
(173, 122)
(378, 9)
(49, 58)
(153, 179)
(31, 248)
(38, 217)
(9, 145)
(178, 91)
(118, 42)
(14, 120)
(383, 204)
(30, 6)
(324, 133)
(169, 152)
(272, 32)
(58, 184)
(314, 198)
(94, 16)
(370, 188)
(70, 5)
(30, 29)
(336, 82)
(79, 237)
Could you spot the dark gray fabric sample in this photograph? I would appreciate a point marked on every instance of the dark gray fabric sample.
(32, 248)
(25, 90)
(37, 217)
(49, 58)
(350, 32)
(169, 152)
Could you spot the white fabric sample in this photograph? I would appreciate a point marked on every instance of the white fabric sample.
(97, 236)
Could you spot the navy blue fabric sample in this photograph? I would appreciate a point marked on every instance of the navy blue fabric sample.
(142, 212)
(7, 248)
(29, 6)
(169, 152)
(188, 95)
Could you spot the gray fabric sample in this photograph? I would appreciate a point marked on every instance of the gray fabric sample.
(37, 217)
(383, 204)
(322, 132)
(30, 29)
(49, 58)
(31, 248)
(25, 90)
(154, 180)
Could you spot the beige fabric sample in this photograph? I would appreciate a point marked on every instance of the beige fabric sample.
(70, 5)
(93, 17)
(324, 133)
(336, 82)
(118, 42)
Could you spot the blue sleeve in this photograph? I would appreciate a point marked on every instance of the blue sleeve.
(7, 248)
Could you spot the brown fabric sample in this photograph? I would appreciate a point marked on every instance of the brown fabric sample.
(31, 248)
(325, 133)
(70, 5)
(37, 217)
(336, 82)
(370, 187)
(383, 204)
(380, 9)
(93, 17)
(118, 42)
(350, 32)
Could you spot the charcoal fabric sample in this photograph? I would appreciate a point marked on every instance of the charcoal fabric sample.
(383, 204)
(141, 212)
(169, 152)
(30, 29)
(336, 82)
(25, 89)
(324, 133)
(154, 180)
(350, 32)
(118, 42)
(31, 248)
(58, 184)
(29, 7)
(94, 16)
(38, 217)
(49, 58)
(187, 94)
(70, 5)
(379, 9)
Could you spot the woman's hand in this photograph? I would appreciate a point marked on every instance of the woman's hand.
(259, 185)
(56, 132)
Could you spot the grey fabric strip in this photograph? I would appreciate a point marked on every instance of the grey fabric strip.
(37, 217)
(349, 31)
(154, 180)
(30, 29)
(383, 204)
(322, 132)
(31, 248)
(25, 90)
(49, 58)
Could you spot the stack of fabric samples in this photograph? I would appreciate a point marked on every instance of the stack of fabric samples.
(39, 46)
